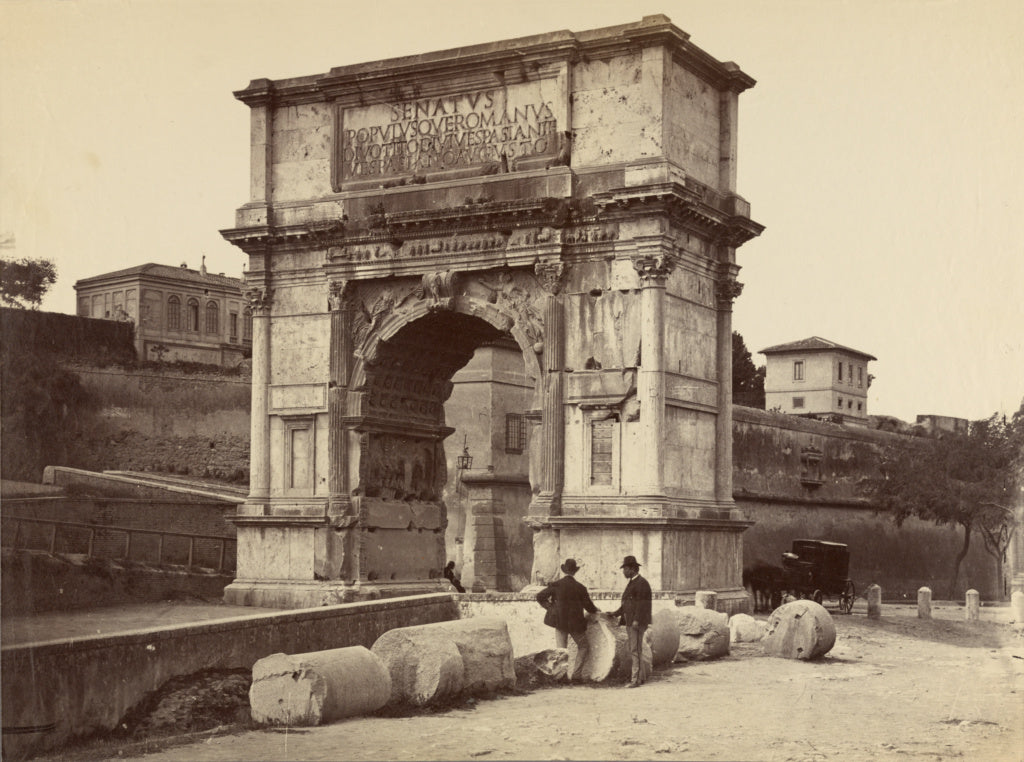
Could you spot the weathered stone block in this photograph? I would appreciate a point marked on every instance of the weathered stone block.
(703, 634)
(318, 687)
(743, 628)
(800, 630)
(664, 634)
(425, 667)
(434, 661)
(609, 651)
(546, 667)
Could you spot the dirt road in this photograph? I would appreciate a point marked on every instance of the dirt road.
(897, 688)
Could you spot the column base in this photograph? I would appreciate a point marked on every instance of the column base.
(702, 551)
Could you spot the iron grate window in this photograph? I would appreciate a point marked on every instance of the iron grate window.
(515, 432)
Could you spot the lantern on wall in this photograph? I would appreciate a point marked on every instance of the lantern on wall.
(464, 461)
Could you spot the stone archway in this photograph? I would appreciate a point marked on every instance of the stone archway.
(394, 422)
(574, 192)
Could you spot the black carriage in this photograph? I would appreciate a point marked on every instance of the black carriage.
(817, 568)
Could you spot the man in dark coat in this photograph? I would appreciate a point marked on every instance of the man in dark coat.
(449, 574)
(566, 601)
(635, 613)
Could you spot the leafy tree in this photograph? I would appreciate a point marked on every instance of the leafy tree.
(964, 479)
(24, 282)
(747, 379)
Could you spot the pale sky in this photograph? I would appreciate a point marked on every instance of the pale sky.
(881, 148)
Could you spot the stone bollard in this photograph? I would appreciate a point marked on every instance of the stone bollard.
(874, 601)
(973, 613)
(318, 687)
(706, 599)
(1017, 607)
(924, 603)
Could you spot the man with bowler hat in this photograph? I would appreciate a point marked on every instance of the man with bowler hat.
(566, 601)
(635, 613)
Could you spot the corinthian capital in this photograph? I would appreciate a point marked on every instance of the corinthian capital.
(652, 270)
(727, 290)
(259, 300)
(339, 293)
(551, 276)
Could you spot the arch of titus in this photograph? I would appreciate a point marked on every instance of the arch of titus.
(573, 193)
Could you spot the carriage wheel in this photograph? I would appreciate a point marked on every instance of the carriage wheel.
(817, 597)
(846, 600)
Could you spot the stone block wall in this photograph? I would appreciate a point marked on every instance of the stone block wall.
(803, 479)
(164, 421)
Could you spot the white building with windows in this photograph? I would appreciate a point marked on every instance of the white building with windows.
(818, 378)
(179, 314)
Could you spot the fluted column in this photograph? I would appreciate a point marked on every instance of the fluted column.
(727, 290)
(259, 300)
(552, 427)
(337, 390)
(650, 383)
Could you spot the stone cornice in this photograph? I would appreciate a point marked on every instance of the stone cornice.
(491, 64)
(697, 209)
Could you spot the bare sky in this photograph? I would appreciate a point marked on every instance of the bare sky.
(881, 147)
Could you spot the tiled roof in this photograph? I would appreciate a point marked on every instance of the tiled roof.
(167, 271)
(813, 344)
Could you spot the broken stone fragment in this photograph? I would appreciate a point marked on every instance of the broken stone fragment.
(430, 662)
(318, 687)
(800, 630)
(703, 634)
(743, 628)
(664, 633)
(609, 651)
(546, 667)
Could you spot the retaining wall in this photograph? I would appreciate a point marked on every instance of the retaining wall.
(87, 685)
(790, 498)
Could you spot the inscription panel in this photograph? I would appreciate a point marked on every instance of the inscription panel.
(430, 135)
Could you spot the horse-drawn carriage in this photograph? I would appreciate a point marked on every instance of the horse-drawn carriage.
(818, 568)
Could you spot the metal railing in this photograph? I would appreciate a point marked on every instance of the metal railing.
(56, 525)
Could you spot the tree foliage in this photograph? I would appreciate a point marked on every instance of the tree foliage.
(747, 379)
(24, 282)
(970, 480)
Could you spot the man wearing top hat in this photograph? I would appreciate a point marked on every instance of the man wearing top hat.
(566, 601)
(635, 613)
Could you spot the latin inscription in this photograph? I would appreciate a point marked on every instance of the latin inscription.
(451, 132)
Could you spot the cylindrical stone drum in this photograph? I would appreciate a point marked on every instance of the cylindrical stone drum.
(317, 687)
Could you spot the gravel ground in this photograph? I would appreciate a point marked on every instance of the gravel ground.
(896, 688)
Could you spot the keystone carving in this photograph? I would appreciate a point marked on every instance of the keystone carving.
(439, 289)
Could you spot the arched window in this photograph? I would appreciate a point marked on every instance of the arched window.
(174, 314)
(193, 314)
(212, 317)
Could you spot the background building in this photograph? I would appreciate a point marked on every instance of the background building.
(179, 314)
(818, 378)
